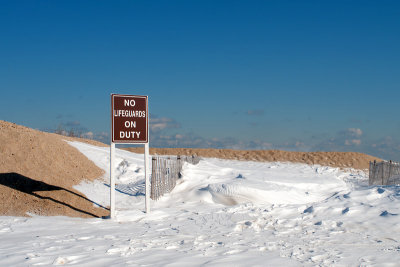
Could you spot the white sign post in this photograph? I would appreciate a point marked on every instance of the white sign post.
(129, 125)
(112, 180)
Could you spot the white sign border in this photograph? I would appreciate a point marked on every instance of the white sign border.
(147, 120)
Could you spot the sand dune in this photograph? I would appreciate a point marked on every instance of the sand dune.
(334, 159)
(38, 170)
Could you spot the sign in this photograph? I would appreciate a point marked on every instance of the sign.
(129, 119)
(129, 125)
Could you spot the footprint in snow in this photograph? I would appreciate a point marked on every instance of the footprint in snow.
(386, 214)
(309, 210)
(380, 190)
(240, 176)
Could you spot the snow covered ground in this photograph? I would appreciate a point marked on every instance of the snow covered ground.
(222, 213)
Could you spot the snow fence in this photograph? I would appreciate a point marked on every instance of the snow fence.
(384, 173)
(166, 171)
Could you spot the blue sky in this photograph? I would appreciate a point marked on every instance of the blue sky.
(294, 75)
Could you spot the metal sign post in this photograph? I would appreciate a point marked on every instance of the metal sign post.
(129, 125)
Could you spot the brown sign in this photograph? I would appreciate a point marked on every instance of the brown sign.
(129, 119)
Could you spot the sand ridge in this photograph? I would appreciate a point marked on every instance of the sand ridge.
(38, 171)
(334, 159)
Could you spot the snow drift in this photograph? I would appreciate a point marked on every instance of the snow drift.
(221, 213)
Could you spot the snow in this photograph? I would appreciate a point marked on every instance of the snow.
(220, 213)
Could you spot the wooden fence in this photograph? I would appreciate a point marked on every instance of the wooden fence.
(384, 173)
(165, 172)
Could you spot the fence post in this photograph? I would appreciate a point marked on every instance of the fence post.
(370, 174)
(178, 166)
(153, 177)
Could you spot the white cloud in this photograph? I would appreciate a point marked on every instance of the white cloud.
(355, 131)
(356, 142)
(178, 136)
(159, 124)
(88, 135)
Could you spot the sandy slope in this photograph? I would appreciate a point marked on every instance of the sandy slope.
(37, 172)
(335, 159)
